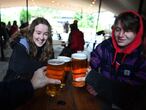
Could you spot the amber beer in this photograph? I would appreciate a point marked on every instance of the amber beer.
(79, 68)
(55, 70)
(67, 61)
(67, 67)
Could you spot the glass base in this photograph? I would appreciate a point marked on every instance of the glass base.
(78, 84)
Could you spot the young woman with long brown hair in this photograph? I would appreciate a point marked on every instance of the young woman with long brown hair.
(31, 50)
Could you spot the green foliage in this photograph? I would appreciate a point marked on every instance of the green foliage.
(23, 16)
(43, 12)
(78, 16)
(55, 16)
(85, 20)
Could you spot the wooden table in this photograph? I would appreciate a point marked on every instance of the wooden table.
(69, 98)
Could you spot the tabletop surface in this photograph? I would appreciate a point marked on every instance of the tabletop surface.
(69, 98)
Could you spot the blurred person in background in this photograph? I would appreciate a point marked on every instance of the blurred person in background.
(4, 35)
(66, 27)
(9, 27)
(75, 41)
(14, 28)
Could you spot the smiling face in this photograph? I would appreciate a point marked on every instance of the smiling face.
(40, 34)
(123, 38)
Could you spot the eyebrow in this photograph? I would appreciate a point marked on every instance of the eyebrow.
(41, 31)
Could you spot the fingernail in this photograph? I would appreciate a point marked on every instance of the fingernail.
(58, 82)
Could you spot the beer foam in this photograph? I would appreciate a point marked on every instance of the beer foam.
(80, 56)
(80, 79)
(64, 58)
(55, 62)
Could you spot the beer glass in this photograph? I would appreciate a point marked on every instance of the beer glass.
(79, 69)
(55, 70)
(67, 68)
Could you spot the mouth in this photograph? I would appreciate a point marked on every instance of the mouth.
(121, 40)
(40, 41)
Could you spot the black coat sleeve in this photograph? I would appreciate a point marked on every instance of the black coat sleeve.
(14, 93)
(21, 65)
(21, 61)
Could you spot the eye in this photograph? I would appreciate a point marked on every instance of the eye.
(128, 30)
(38, 33)
(46, 34)
(117, 29)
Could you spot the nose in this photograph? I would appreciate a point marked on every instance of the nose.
(42, 36)
(122, 33)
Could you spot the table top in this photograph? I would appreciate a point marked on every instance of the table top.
(69, 98)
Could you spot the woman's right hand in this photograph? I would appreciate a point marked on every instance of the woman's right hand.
(91, 90)
(40, 79)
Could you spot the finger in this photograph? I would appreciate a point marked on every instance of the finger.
(45, 72)
(91, 90)
(88, 87)
(88, 70)
(94, 93)
(54, 81)
(57, 81)
(44, 68)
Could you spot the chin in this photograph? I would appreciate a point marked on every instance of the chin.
(39, 45)
(121, 45)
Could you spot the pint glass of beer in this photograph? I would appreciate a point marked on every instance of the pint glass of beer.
(67, 68)
(67, 61)
(79, 68)
(55, 70)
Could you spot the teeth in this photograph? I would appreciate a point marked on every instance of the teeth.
(40, 41)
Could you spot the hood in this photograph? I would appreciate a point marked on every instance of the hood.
(137, 41)
(133, 45)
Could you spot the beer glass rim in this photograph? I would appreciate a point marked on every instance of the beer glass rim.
(80, 56)
(55, 62)
(64, 58)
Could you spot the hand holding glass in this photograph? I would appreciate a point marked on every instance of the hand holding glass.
(55, 70)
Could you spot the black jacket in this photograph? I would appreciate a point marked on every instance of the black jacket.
(21, 65)
(121, 94)
(14, 93)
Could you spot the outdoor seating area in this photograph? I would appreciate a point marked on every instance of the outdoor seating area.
(72, 55)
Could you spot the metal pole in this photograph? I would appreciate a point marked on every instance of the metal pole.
(1, 41)
(140, 6)
(98, 14)
(27, 10)
(0, 13)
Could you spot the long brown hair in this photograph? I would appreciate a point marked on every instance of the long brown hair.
(47, 49)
